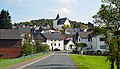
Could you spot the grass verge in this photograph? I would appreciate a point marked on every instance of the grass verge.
(8, 62)
(90, 62)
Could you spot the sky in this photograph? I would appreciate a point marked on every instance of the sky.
(27, 10)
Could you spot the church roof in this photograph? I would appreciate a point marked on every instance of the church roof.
(61, 21)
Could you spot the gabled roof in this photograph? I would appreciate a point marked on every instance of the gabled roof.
(66, 42)
(55, 36)
(57, 16)
(24, 30)
(61, 21)
(10, 34)
(84, 34)
(38, 36)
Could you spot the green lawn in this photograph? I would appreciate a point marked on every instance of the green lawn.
(90, 62)
(7, 62)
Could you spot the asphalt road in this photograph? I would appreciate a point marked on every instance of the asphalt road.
(60, 60)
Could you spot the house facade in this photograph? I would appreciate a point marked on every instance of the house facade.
(97, 44)
(10, 43)
(69, 45)
(53, 40)
(83, 38)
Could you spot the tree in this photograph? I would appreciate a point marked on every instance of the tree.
(38, 46)
(45, 48)
(5, 20)
(82, 45)
(65, 26)
(109, 17)
(41, 47)
(27, 47)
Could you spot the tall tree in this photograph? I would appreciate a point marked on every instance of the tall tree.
(5, 20)
(109, 17)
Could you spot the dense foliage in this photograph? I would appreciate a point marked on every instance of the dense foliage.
(108, 18)
(30, 48)
(5, 20)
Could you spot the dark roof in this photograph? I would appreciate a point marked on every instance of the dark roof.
(72, 31)
(10, 34)
(66, 42)
(57, 16)
(38, 36)
(55, 36)
(24, 30)
(84, 34)
(61, 21)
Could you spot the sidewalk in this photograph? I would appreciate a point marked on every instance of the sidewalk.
(27, 63)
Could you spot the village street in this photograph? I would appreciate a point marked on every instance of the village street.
(59, 60)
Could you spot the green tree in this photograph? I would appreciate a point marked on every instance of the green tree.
(5, 20)
(65, 26)
(26, 49)
(38, 46)
(109, 17)
(41, 47)
(82, 45)
(45, 48)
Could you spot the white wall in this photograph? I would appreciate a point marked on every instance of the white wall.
(67, 47)
(67, 22)
(83, 40)
(96, 43)
(61, 47)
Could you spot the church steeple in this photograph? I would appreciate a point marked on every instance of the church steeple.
(57, 16)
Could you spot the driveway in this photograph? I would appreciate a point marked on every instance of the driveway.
(59, 60)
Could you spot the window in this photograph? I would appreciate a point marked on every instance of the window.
(89, 39)
(79, 39)
(102, 46)
(102, 39)
(59, 44)
(55, 44)
(51, 44)
(91, 46)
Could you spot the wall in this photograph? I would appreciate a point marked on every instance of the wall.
(10, 52)
(67, 47)
(61, 47)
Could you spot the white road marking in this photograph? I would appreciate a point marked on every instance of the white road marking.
(35, 61)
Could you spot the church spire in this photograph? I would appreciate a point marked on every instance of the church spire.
(57, 16)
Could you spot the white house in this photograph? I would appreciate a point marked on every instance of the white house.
(97, 44)
(59, 22)
(54, 40)
(83, 38)
(69, 45)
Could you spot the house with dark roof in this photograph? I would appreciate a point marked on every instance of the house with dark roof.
(10, 43)
(54, 40)
(59, 22)
(83, 38)
(69, 45)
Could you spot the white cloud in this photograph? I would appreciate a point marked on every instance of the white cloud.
(13, 1)
(62, 11)
(65, 7)
(67, 3)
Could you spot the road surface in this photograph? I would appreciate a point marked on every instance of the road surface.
(59, 60)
